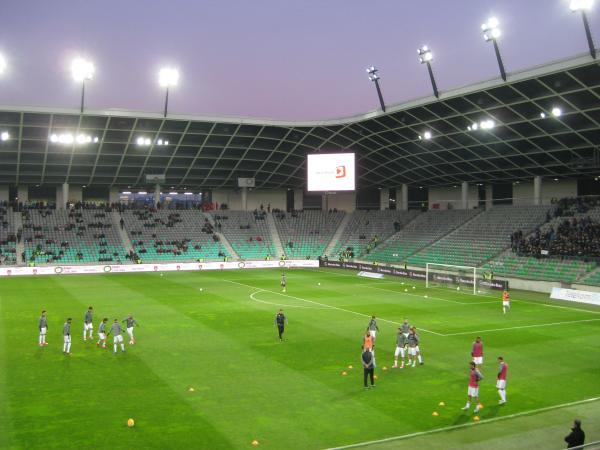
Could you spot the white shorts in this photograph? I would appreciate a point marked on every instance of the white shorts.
(413, 351)
(506, 304)
(43, 330)
(88, 326)
(102, 336)
(373, 333)
(130, 331)
(67, 339)
(501, 384)
(399, 351)
(117, 338)
(478, 360)
(473, 391)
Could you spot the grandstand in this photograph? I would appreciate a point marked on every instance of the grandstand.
(247, 232)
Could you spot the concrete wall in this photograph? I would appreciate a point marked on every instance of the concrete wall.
(3, 193)
(523, 192)
(452, 195)
(298, 199)
(343, 201)
(76, 195)
(256, 197)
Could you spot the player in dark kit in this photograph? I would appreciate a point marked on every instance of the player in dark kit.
(280, 321)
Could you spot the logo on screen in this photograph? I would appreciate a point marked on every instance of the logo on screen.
(340, 171)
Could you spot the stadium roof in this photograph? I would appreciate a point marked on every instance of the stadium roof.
(211, 152)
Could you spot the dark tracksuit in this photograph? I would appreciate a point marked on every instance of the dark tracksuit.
(280, 320)
(369, 366)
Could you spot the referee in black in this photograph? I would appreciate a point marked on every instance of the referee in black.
(368, 362)
(280, 321)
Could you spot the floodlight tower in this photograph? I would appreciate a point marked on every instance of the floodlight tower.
(82, 70)
(583, 6)
(372, 71)
(168, 77)
(491, 32)
(425, 57)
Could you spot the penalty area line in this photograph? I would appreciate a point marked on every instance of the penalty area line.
(523, 326)
(466, 425)
(328, 306)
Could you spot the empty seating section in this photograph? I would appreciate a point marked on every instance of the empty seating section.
(247, 232)
(482, 238)
(8, 238)
(552, 269)
(425, 229)
(368, 229)
(592, 279)
(306, 234)
(172, 235)
(70, 237)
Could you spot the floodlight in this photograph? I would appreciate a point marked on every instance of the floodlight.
(96, 139)
(556, 112)
(142, 193)
(54, 138)
(425, 57)
(173, 193)
(2, 64)
(372, 71)
(82, 70)
(147, 141)
(168, 77)
(140, 141)
(5, 136)
(159, 142)
(427, 135)
(543, 115)
(491, 32)
(580, 5)
(188, 193)
(81, 139)
(126, 192)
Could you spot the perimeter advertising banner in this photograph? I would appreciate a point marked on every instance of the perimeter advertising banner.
(158, 267)
(498, 285)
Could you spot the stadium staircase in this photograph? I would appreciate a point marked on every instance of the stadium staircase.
(335, 239)
(275, 235)
(20, 249)
(230, 250)
(116, 221)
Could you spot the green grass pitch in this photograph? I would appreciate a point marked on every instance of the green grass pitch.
(214, 332)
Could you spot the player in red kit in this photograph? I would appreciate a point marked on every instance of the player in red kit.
(501, 383)
(473, 391)
(505, 301)
(477, 351)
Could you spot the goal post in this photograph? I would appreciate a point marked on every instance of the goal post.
(451, 276)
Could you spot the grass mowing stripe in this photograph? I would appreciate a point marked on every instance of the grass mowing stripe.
(465, 425)
(520, 327)
(428, 297)
(253, 297)
(332, 307)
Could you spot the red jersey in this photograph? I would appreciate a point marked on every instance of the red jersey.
(505, 296)
(474, 378)
(503, 370)
(477, 349)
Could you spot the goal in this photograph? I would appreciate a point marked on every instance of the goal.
(461, 278)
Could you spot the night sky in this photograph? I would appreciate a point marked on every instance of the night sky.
(279, 59)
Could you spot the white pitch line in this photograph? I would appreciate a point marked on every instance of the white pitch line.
(252, 296)
(465, 425)
(520, 327)
(330, 306)
(428, 297)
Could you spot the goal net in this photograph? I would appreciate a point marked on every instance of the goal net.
(448, 276)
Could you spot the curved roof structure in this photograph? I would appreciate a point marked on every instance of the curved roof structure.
(118, 148)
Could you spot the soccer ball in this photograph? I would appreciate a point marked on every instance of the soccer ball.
(255, 442)
(458, 288)
(130, 423)
(201, 289)
(318, 284)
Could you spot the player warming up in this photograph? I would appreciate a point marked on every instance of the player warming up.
(281, 322)
(401, 344)
(501, 382)
(102, 333)
(87, 323)
(505, 301)
(43, 327)
(130, 324)
(414, 352)
(283, 283)
(116, 331)
(405, 328)
(473, 392)
(67, 337)
(477, 351)
(372, 328)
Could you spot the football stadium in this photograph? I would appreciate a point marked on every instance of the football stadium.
(421, 274)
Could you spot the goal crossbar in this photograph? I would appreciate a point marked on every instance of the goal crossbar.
(438, 267)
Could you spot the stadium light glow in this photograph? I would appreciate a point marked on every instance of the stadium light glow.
(188, 193)
(374, 77)
(168, 77)
(82, 70)
(173, 193)
(483, 125)
(556, 112)
(142, 193)
(69, 138)
(126, 192)
(426, 136)
(425, 57)
(543, 115)
(5, 136)
(491, 32)
(583, 6)
(2, 64)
